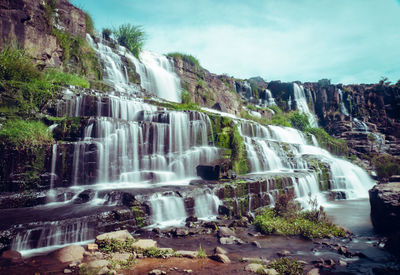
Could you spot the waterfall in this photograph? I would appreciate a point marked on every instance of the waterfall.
(206, 205)
(343, 108)
(51, 195)
(269, 99)
(302, 105)
(167, 210)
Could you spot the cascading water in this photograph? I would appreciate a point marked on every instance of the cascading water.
(343, 108)
(302, 105)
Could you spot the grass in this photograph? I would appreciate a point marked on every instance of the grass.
(23, 133)
(89, 23)
(188, 58)
(386, 166)
(130, 36)
(201, 253)
(113, 245)
(61, 78)
(287, 266)
(333, 145)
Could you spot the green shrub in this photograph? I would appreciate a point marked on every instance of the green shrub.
(89, 23)
(336, 146)
(287, 266)
(106, 32)
(23, 133)
(130, 36)
(299, 120)
(16, 65)
(185, 97)
(188, 58)
(113, 245)
(201, 253)
(239, 156)
(386, 166)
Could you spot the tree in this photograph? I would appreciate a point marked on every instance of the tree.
(131, 37)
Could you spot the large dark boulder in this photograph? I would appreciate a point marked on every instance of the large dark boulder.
(214, 171)
(385, 207)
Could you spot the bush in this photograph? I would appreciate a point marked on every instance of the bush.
(386, 166)
(287, 266)
(89, 23)
(188, 58)
(336, 146)
(299, 120)
(60, 78)
(239, 156)
(131, 37)
(16, 65)
(22, 133)
(106, 32)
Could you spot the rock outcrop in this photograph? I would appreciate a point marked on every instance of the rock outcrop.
(385, 207)
(30, 23)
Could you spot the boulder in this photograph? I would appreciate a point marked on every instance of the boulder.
(255, 268)
(12, 255)
(221, 258)
(214, 171)
(187, 254)
(122, 257)
(121, 235)
(225, 232)
(98, 264)
(385, 207)
(71, 253)
(144, 244)
(219, 250)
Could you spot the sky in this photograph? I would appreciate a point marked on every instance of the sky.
(347, 41)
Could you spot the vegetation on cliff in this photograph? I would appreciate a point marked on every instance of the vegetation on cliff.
(130, 36)
(188, 58)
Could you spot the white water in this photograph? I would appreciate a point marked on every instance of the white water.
(302, 105)
(206, 205)
(343, 108)
(167, 210)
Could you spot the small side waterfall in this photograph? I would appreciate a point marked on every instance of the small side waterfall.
(302, 105)
(343, 108)
(167, 210)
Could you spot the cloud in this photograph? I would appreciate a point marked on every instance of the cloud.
(346, 41)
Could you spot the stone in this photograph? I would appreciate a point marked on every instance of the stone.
(93, 247)
(255, 243)
(181, 232)
(187, 254)
(385, 207)
(224, 210)
(342, 263)
(231, 240)
(67, 271)
(221, 258)
(103, 271)
(121, 235)
(192, 219)
(12, 255)
(219, 250)
(187, 271)
(255, 268)
(215, 170)
(98, 264)
(225, 232)
(271, 271)
(314, 271)
(122, 257)
(144, 244)
(283, 253)
(71, 253)
(157, 272)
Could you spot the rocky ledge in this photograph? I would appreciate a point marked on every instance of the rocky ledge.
(385, 207)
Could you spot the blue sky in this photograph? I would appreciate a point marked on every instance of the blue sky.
(347, 41)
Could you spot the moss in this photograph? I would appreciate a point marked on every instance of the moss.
(190, 59)
(239, 155)
(139, 216)
(223, 138)
(333, 145)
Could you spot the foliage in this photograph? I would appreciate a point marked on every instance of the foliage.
(287, 266)
(386, 166)
(188, 58)
(201, 253)
(185, 97)
(106, 32)
(299, 120)
(49, 10)
(239, 157)
(16, 65)
(155, 252)
(113, 245)
(131, 37)
(138, 216)
(61, 78)
(120, 265)
(23, 133)
(89, 23)
(287, 219)
(336, 146)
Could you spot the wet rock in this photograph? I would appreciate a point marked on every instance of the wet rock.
(122, 257)
(242, 222)
(187, 271)
(12, 255)
(121, 235)
(219, 250)
(255, 243)
(187, 254)
(157, 272)
(181, 232)
(255, 268)
(224, 210)
(192, 219)
(85, 196)
(342, 263)
(211, 225)
(221, 258)
(67, 271)
(214, 171)
(144, 244)
(283, 253)
(93, 247)
(385, 207)
(98, 264)
(314, 271)
(337, 195)
(71, 253)
(225, 232)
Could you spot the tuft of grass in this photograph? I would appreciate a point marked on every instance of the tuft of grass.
(333, 145)
(201, 253)
(188, 58)
(23, 133)
(113, 245)
(106, 33)
(130, 36)
(89, 23)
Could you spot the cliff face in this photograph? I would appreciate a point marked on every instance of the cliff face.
(30, 23)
